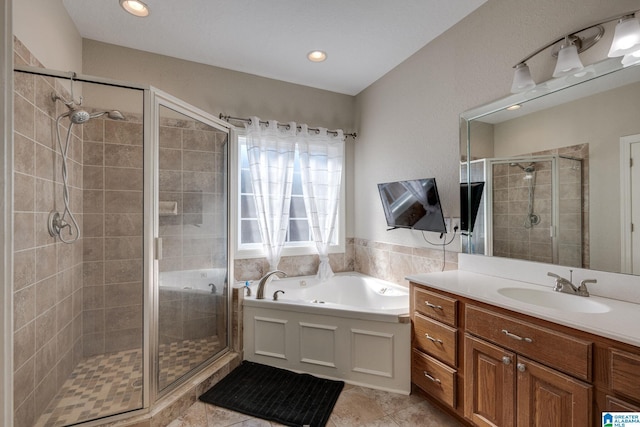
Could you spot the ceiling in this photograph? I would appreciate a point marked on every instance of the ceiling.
(364, 39)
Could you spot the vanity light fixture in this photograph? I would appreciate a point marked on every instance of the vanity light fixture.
(626, 37)
(135, 7)
(568, 60)
(317, 56)
(626, 42)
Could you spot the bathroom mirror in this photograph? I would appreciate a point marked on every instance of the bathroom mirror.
(557, 171)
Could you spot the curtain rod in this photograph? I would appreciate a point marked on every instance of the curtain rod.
(353, 135)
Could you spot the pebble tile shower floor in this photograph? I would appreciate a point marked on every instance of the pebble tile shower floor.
(108, 384)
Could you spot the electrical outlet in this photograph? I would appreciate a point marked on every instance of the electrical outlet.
(451, 223)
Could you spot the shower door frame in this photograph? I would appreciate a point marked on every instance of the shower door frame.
(157, 98)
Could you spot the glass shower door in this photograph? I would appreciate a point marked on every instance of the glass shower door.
(193, 229)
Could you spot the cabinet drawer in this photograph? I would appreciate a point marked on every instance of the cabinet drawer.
(435, 306)
(617, 405)
(625, 374)
(434, 377)
(435, 338)
(563, 352)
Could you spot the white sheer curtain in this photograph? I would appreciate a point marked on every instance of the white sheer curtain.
(321, 161)
(271, 152)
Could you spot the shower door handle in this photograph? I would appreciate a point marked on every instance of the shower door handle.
(158, 248)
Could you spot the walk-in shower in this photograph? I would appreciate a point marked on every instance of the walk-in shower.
(97, 331)
(532, 208)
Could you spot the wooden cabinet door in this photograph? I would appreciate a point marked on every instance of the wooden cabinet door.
(489, 384)
(551, 399)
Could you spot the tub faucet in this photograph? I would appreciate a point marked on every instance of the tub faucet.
(266, 279)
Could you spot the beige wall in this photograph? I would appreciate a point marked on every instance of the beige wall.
(408, 120)
(47, 30)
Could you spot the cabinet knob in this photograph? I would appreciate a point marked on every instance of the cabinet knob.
(506, 360)
(521, 367)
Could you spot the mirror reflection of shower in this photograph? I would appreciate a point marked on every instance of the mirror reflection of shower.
(530, 177)
(66, 220)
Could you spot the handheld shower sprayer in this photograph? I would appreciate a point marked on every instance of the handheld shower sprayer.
(77, 116)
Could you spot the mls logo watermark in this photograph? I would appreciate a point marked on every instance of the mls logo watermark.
(621, 419)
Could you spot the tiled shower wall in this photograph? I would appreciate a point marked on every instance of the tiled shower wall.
(192, 225)
(112, 242)
(47, 279)
(193, 177)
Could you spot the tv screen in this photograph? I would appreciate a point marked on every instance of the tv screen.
(467, 222)
(412, 204)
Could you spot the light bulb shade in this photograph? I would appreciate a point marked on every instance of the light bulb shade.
(522, 80)
(631, 58)
(568, 61)
(626, 38)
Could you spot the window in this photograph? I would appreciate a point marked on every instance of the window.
(299, 240)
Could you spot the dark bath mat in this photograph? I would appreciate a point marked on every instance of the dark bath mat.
(276, 394)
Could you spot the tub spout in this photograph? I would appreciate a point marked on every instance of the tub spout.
(266, 279)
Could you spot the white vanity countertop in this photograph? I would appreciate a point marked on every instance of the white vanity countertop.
(621, 322)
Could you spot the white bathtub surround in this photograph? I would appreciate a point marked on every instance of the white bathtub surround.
(200, 280)
(351, 327)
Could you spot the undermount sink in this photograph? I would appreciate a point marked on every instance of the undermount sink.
(555, 300)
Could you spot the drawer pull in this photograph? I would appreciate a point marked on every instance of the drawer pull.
(506, 360)
(434, 379)
(521, 367)
(435, 307)
(430, 338)
(516, 337)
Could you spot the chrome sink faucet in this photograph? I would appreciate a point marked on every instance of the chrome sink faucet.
(566, 286)
(265, 280)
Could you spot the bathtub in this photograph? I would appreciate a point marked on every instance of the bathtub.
(352, 327)
(189, 307)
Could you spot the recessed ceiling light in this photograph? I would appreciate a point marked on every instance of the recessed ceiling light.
(514, 107)
(135, 7)
(317, 56)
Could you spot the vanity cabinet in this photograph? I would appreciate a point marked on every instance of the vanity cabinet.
(435, 344)
(506, 389)
(624, 368)
(495, 367)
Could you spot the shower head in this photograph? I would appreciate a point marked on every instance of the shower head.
(113, 115)
(528, 169)
(79, 117)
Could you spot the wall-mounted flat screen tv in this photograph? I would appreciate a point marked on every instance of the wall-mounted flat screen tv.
(412, 204)
(468, 221)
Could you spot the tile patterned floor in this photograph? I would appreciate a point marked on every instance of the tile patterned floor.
(108, 384)
(356, 406)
